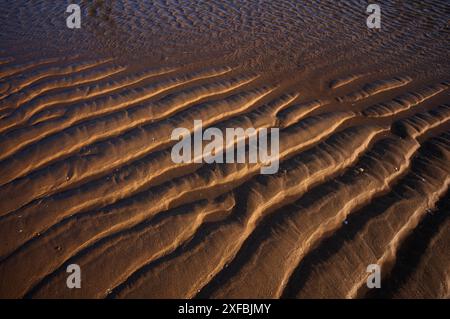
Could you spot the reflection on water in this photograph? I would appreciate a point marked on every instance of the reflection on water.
(99, 8)
(281, 35)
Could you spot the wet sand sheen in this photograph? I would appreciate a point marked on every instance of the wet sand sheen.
(86, 174)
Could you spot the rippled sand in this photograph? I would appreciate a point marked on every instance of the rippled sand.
(86, 175)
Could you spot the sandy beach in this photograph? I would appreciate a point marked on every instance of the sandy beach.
(87, 176)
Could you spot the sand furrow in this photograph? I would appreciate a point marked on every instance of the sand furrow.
(14, 69)
(419, 123)
(433, 267)
(83, 77)
(296, 112)
(159, 236)
(35, 155)
(24, 80)
(150, 170)
(422, 259)
(123, 99)
(111, 154)
(345, 80)
(26, 111)
(5, 60)
(386, 260)
(344, 197)
(125, 182)
(96, 225)
(4, 87)
(115, 123)
(404, 102)
(374, 88)
(301, 225)
(222, 243)
(376, 236)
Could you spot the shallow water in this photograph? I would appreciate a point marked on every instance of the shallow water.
(266, 35)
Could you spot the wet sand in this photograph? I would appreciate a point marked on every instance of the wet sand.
(87, 178)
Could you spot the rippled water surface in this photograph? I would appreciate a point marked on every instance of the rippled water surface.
(264, 34)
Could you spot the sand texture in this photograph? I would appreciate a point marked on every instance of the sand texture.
(87, 178)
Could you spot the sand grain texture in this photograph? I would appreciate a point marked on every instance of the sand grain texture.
(87, 178)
